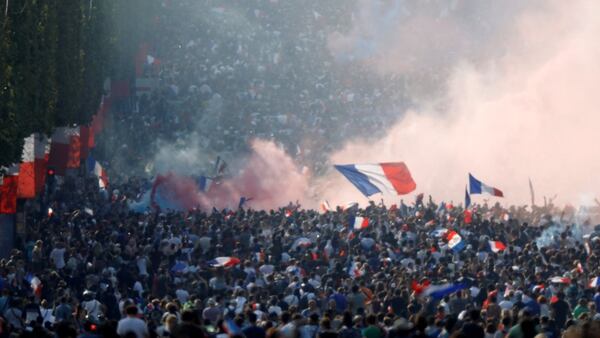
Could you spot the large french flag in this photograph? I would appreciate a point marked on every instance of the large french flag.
(478, 187)
(373, 178)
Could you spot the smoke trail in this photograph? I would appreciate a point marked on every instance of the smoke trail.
(267, 175)
(529, 112)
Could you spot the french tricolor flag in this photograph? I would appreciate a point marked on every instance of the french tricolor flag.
(478, 187)
(224, 262)
(455, 242)
(595, 282)
(497, 246)
(98, 170)
(373, 178)
(35, 283)
(442, 290)
(361, 223)
(560, 280)
(204, 183)
(325, 207)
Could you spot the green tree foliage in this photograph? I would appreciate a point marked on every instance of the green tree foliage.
(54, 57)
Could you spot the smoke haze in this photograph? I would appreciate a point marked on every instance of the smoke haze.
(528, 112)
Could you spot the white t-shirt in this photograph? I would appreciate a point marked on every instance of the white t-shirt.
(58, 257)
(131, 324)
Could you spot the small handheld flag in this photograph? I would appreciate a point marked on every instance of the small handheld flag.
(361, 223)
(497, 246)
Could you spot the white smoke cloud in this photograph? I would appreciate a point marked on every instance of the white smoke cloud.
(527, 111)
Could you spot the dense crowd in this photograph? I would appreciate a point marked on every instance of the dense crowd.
(251, 69)
(106, 271)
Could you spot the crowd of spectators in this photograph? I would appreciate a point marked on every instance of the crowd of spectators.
(86, 265)
(107, 271)
(252, 69)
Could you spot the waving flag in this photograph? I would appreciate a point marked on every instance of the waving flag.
(538, 288)
(478, 187)
(560, 280)
(595, 282)
(302, 242)
(361, 223)
(419, 288)
(350, 206)
(325, 207)
(442, 290)
(35, 283)
(455, 242)
(204, 183)
(392, 178)
(95, 167)
(354, 271)
(224, 262)
(497, 246)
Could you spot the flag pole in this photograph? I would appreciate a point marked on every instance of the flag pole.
(532, 193)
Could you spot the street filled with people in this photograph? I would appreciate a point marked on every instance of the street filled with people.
(226, 74)
(85, 264)
(88, 263)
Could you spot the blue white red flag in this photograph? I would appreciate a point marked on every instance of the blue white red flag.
(455, 242)
(442, 290)
(95, 167)
(478, 187)
(373, 178)
(224, 262)
(204, 183)
(361, 223)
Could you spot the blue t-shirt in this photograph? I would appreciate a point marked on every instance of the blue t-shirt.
(340, 301)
